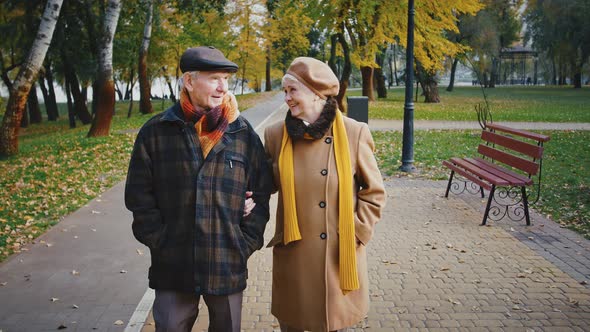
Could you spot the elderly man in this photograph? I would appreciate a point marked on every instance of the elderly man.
(194, 171)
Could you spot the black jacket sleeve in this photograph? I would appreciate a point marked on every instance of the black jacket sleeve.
(140, 198)
(260, 183)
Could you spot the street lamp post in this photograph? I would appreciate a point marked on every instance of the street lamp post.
(408, 133)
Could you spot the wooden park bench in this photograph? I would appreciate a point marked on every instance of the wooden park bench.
(511, 159)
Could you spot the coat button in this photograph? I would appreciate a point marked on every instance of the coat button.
(324, 172)
(328, 140)
(322, 204)
(323, 236)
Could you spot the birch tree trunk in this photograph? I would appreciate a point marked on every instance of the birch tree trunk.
(25, 78)
(145, 104)
(105, 106)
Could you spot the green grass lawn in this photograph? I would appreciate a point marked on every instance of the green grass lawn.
(508, 103)
(565, 193)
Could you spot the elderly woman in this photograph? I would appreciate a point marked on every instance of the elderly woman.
(330, 196)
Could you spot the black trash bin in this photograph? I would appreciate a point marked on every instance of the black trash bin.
(358, 108)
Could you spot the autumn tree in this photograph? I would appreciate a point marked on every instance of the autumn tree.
(286, 33)
(560, 29)
(75, 58)
(18, 26)
(25, 78)
(433, 21)
(247, 17)
(125, 50)
(104, 76)
(367, 26)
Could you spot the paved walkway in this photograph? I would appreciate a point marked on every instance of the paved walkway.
(432, 267)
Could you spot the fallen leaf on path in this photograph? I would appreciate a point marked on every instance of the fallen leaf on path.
(54, 299)
(118, 322)
(62, 327)
(75, 273)
(3, 283)
(123, 271)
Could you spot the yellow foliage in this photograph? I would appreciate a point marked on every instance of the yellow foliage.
(371, 24)
(286, 33)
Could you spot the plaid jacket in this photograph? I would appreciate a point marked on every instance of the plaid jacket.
(188, 211)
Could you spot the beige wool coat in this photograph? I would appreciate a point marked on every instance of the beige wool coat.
(306, 285)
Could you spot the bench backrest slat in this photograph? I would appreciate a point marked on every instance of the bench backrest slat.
(517, 162)
(522, 133)
(528, 149)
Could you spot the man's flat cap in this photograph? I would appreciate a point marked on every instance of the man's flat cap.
(205, 58)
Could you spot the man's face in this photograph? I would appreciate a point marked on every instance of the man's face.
(207, 89)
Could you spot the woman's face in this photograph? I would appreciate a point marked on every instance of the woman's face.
(302, 102)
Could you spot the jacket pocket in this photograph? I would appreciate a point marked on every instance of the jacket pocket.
(234, 174)
(153, 239)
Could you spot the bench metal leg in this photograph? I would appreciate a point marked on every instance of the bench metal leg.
(485, 215)
(481, 191)
(525, 202)
(449, 185)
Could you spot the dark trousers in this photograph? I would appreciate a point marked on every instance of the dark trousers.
(177, 312)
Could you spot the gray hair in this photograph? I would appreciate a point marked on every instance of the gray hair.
(289, 77)
(181, 79)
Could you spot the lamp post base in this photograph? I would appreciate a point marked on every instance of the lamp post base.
(408, 168)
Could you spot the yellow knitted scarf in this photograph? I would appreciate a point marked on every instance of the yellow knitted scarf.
(347, 241)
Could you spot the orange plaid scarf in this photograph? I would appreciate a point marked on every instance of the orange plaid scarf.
(210, 125)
